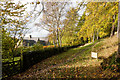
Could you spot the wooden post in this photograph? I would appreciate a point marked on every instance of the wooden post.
(21, 61)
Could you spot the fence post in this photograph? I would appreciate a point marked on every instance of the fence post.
(21, 61)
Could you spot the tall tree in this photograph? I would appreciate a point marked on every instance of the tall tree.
(118, 53)
(100, 21)
(52, 18)
(69, 34)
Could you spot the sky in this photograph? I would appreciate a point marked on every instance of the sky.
(37, 32)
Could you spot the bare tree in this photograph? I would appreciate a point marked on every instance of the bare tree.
(35, 13)
(52, 18)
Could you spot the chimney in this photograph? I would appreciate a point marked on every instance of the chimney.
(30, 36)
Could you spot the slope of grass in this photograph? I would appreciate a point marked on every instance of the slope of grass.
(75, 63)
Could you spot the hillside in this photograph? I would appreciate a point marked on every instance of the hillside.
(75, 63)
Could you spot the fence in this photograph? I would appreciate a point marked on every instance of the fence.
(11, 68)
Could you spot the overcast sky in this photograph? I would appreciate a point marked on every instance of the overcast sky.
(35, 32)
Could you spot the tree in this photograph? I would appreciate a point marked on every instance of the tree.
(52, 19)
(100, 21)
(118, 53)
(69, 32)
(14, 25)
(11, 22)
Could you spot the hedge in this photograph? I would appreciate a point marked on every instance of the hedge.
(33, 57)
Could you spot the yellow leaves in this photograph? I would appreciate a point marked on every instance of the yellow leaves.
(66, 70)
(58, 28)
(77, 8)
(76, 76)
(38, 2)
(70, 8)
(85, 76)
(94, 73)
(100, 75)
(50, 70)
(11, 29)
(32, 3)
(53, 74)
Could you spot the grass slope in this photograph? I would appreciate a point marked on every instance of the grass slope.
(75, 63)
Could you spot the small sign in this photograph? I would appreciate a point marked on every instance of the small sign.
(94, 55)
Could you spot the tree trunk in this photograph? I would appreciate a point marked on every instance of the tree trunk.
(60, 38)
(118, 54)
(57, 38)
(94, 36)
(97, 34)
(54, 42)
(112, 31)
(113, 27)
(54, 38)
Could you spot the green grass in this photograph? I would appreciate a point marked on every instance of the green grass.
(84, 53)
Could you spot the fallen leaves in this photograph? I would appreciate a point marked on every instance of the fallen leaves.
(79, 65)
(85, 76)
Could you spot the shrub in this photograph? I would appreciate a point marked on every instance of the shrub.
(37, 47)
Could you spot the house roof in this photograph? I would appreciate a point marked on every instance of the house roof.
(36, 38)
